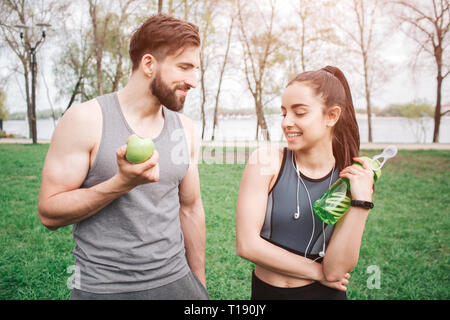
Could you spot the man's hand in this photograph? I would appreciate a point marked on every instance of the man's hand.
(134, 174)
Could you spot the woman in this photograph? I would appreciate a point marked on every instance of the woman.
(296, 255)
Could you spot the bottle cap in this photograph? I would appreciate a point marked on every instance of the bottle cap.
(388, 152)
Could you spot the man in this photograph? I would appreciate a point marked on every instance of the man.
(139, 229)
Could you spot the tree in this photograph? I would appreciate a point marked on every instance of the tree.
(29, 14)
(205, 17)
(360, 31)
(99, 35)
(365, 21)
(209, 16)
(221, 73)
(83, 53)
(428, 25)
(313, 33)
(72, 66)
(206, 14)
(261, 53)
(117, 40)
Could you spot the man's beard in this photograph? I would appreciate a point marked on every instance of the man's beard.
(167, 96)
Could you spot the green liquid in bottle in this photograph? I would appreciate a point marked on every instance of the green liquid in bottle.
(334, 203)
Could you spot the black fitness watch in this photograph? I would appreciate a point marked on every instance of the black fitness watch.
(362, 204)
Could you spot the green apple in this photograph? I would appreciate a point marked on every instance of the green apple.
(139, 149)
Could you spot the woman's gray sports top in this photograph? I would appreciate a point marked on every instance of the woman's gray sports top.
(280, 227)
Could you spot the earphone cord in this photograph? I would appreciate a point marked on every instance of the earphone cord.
(310, 204)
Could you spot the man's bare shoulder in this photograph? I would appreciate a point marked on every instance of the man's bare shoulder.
(87, 110)
(82, 122)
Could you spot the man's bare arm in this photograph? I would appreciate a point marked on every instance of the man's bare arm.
(192, 215)
(61, 200)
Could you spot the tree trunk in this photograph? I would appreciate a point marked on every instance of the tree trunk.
(118, 74)
(302, 45)
(261, 122)
(32, 110)
(437, 110)
(75, 91)
(222, 71)
(186, 10)
(369, 117)
(203, 66)
(364, 52)
(170, 8)
(439, 79)
(202, 80)
(27, 94)
(368, 107)
(98, 51)
(215, 120)
(99, 42)
(98, 55)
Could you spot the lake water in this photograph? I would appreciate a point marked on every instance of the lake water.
(384, 130)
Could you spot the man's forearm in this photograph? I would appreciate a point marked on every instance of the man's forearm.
(73, 206)
(194, 231)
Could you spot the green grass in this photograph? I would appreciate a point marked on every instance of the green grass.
(406, 235)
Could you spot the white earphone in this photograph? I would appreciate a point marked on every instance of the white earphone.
(297, 214)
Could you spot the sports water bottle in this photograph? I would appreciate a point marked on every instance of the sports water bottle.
(335, 202)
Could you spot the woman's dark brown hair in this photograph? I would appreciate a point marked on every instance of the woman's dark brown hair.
(332, 87)
(162, 35)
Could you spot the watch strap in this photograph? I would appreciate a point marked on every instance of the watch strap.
(362, 204)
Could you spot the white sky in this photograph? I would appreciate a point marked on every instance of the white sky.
(403, 85)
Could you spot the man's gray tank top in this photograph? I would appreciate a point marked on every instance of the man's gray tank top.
(135, 243)
(280, 227)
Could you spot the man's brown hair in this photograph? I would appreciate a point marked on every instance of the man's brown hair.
(162, 35)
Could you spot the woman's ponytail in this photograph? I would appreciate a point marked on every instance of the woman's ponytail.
(346, 140)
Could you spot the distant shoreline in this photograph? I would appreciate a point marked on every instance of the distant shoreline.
(239, 129)
(256, 144)
(251, 114)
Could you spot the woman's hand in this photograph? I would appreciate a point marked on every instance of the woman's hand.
(361, 180)
(338, 285)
